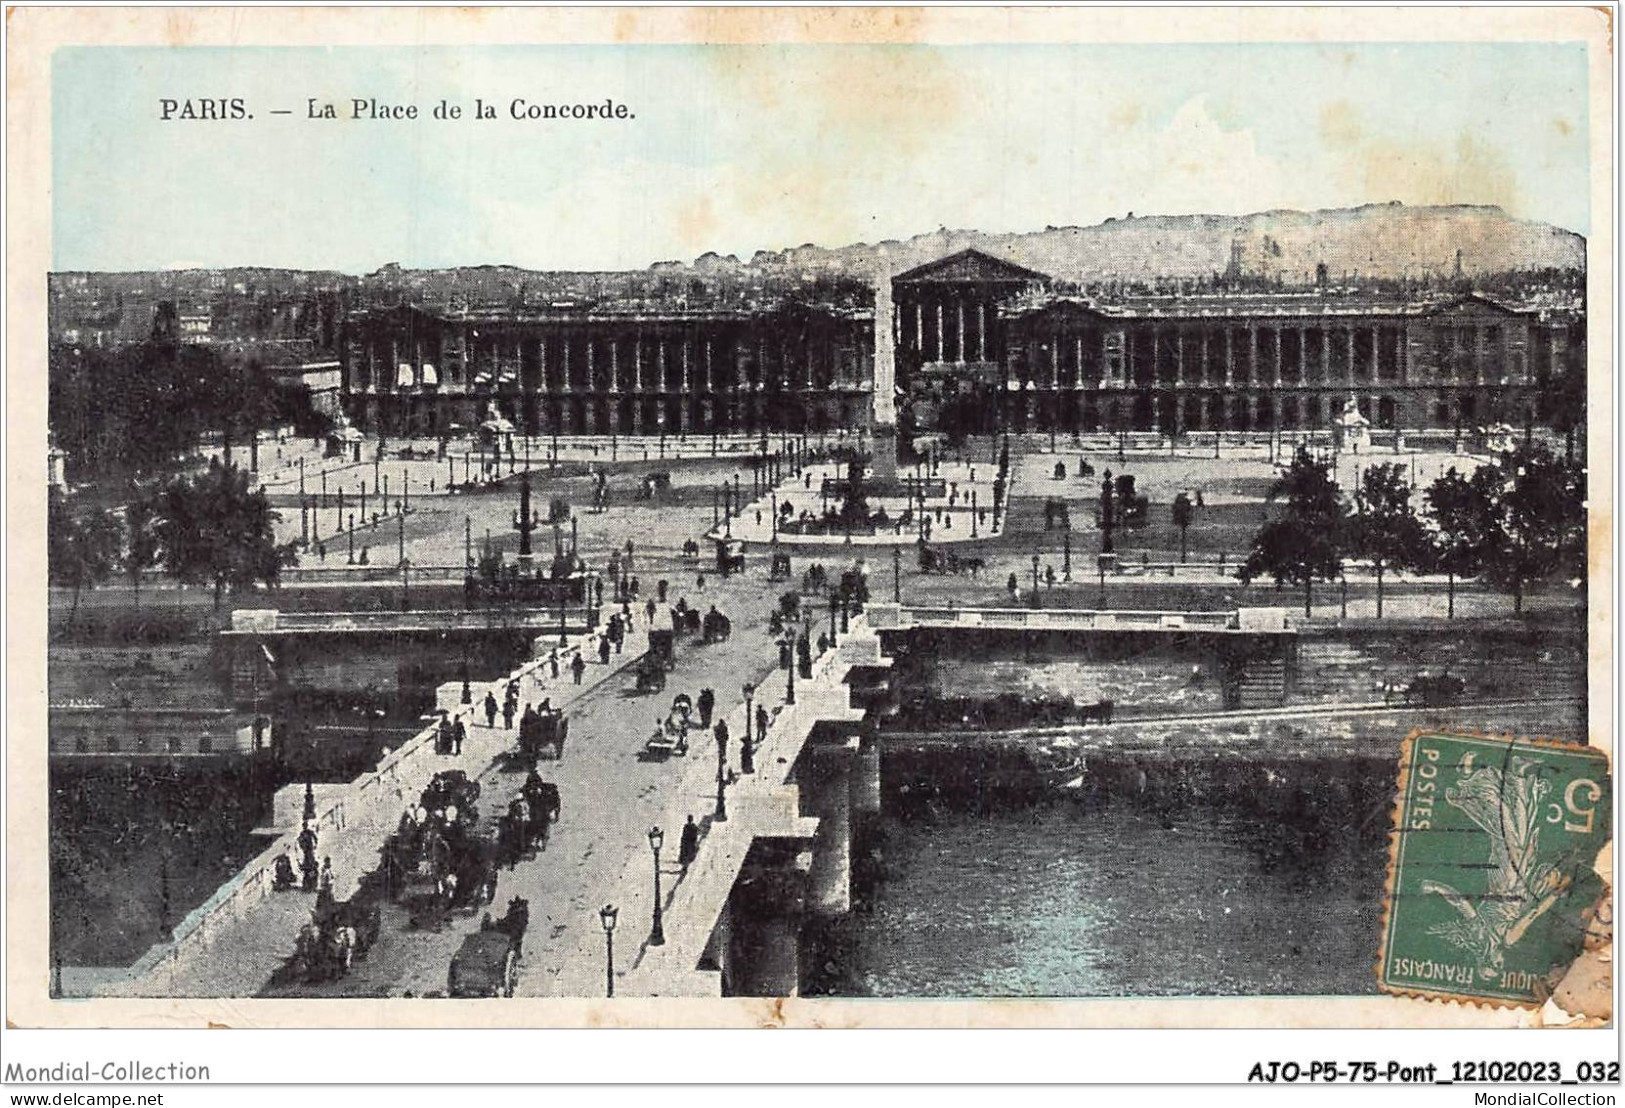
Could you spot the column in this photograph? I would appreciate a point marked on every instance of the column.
(592, 375)
(919, 328)
(564, 358)
(981, 331)
(1206, 357)
(1350, 372)
(959, 311)
(1229, 357)
(1325, 353)
(807, 361)
(660, 364)
(1480, 349)
(1055, 362)
(941, 354)
(1179, 356)
(710, 385)
(687, 384)
(614, 367)
(1078, 377)
(637, 366)
(541, 367)
(1277, 344)
(1376, 354)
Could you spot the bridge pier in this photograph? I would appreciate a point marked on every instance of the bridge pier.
(827, 780)
(764, 918)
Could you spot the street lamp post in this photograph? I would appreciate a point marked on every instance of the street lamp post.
(657, 935)
(606, 916)
(1035, 580)
(750, 691)
(1066, 555)
(897, 575)
(834, 607)
(721, 814)
(790, 666)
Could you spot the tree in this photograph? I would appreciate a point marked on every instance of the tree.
(1182, 512)
(1306, 543)
(212, 529)
(81, 548)
(1383, 527)
(1462, 512)
(1540, 518)
(141, 541)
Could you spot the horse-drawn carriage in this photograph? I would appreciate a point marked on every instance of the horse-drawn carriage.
(716, 627)
(653, 484)
(524, 830)
(337, 934)
(437, 861)
(1434, 690)
(545, 730)
(671, 734)
(651, 675)
(487, 964)
(730, 557)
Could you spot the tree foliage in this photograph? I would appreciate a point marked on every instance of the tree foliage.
(82, 547)
(1306, 543)
(212, 529)
(1384, 528)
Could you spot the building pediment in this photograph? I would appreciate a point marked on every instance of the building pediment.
(970, 267)
(1472, 306)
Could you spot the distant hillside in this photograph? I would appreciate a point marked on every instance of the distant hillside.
(1389, 241)
(1375, 240)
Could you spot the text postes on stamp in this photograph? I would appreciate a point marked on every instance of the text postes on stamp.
(1491, 868)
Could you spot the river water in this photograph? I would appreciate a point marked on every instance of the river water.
(1263, 880)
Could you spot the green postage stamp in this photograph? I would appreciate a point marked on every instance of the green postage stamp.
(1491, 867)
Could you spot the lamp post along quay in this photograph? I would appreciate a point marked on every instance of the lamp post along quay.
(606, 916)
(657, 934)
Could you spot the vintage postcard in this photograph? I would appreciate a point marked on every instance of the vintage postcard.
(864, 518)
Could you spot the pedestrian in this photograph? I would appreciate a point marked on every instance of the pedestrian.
(507, 715)
(458, 734)
(324, 888)
(649, 610)
(632, 589)
(578, 667)
(490, 709)
(747, 752)
(688, 848)
(660, 590)
(706, 704)
(603, 649)
(699, 582)
(321, 551)
(761, 723)
(443, 736)
(721, 732)
(553, 663)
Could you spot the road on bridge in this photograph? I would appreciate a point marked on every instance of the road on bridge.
(609, 802)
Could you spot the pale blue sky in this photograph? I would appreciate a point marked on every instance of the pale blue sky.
(742, 148)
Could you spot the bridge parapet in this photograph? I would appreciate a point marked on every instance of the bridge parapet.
(899, 617)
